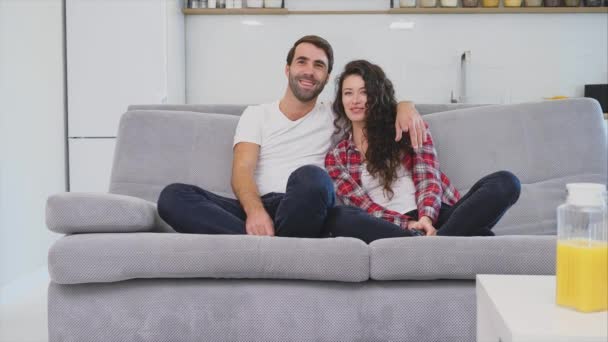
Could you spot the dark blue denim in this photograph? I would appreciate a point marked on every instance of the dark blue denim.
(480, 209)
(299, 212)
(307, 209)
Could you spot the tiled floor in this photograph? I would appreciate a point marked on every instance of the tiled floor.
(23, 309)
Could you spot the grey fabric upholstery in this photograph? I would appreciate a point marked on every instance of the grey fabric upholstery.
(73, 212)
(539, 142)
(90, 258)
(229, 109)
(232, 109)
(448, 257)
(313, 290)
(194, 310)
(157, 148)
(527, 139)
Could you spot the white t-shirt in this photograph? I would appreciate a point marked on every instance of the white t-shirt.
(404, 191)
(285, 145)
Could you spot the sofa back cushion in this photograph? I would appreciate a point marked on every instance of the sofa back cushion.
(162, 144)
(157, 148)
(237, 109)
(546, 144)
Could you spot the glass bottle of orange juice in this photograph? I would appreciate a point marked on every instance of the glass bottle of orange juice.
(582, 248)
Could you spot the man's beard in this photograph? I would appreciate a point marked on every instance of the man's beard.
(302, 94)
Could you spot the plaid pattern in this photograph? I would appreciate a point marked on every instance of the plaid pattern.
(344, 165)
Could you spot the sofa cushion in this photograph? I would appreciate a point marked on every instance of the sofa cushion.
(230, 109)
(546, 144)
(80, 212)
(157, 148)
(445, 257)
(88, 258)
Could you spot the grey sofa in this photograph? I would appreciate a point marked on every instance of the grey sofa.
(121, 274)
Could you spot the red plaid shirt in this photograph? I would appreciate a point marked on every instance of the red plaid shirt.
(344, 165)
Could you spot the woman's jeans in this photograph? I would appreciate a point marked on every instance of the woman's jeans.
(480, 209)
(307, 209)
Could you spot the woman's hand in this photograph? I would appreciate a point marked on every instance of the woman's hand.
(425, 224)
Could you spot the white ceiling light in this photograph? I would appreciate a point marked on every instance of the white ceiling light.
(251, 23)
(402, 25)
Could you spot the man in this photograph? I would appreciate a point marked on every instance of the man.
(277, 174)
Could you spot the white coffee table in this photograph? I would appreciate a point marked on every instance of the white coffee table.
(521, 308)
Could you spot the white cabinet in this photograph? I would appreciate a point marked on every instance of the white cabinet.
(119, 52)
(91, 164)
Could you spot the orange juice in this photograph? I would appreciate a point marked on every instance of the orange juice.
(582, 274)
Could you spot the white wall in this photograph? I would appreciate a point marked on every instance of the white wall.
(514, 57)
(31, 130)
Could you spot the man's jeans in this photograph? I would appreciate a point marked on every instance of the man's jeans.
(306, 209)
(299, 212)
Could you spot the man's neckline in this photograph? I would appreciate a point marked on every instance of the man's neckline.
(278, 104)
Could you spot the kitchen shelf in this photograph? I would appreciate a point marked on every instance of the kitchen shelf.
(483, 10)
(235, 11)
(416, 10)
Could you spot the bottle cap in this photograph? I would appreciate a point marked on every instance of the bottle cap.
(586, 194)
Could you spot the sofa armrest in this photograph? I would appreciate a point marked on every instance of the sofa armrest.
(73, 212)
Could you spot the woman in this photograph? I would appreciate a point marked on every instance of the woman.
(390, 180)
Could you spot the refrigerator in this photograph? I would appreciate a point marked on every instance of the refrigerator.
(118, 53)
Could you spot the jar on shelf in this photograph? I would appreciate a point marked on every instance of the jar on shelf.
(428, 3)
(572, 3)
(593, 3)
(273, 3)
(470, 3)
(490, 3)
(512, 3)
(449, 3)
(407, 3)
(552, 3)
(255, 3)
(533, 3)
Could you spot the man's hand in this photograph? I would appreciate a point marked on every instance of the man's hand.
(259, 223)
(409, 120)
(425, 224)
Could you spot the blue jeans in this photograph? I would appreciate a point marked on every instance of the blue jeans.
(299, 212)
(473, 215)
(306, 209)
(480, 208)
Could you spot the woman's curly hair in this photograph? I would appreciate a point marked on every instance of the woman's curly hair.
(383, 155)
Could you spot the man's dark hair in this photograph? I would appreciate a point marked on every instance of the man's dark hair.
(318, 42)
